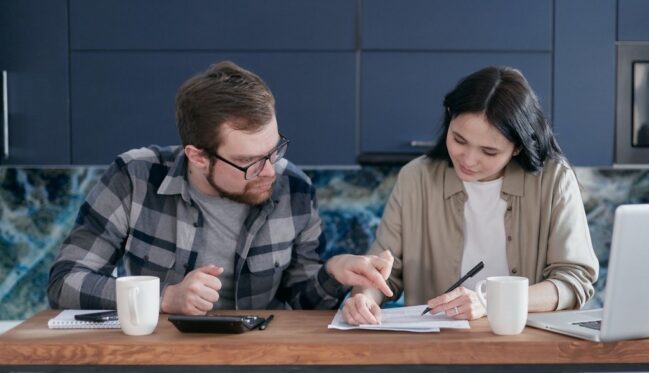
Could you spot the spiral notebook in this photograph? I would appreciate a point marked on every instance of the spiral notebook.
(66, 320)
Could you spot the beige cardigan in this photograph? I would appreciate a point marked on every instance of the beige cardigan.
(545, 224)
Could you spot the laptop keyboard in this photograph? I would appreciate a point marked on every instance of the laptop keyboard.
(590, 324)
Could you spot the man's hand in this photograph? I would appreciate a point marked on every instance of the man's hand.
(195, 294)
(368, 271)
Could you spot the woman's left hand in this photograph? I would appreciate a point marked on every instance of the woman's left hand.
(459, 304)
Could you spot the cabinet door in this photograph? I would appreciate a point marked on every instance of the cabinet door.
(212, 24)
(459, 25)
(402, 93)
(123, 100)
(34, 54)
(632, 20)
(584, 76)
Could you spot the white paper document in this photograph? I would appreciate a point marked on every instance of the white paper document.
(404, 319)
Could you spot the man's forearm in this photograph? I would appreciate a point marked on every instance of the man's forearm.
(83, 290)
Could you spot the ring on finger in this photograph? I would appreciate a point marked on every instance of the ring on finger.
(457, 312)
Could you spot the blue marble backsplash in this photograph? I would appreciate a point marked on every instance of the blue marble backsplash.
(38, 208)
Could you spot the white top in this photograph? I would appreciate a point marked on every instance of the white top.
(222, 223)
(484, 231)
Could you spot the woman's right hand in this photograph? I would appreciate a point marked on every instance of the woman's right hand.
(361, 309)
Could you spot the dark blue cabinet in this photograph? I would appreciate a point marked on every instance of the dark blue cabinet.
(415, 51)
(89, 79)
(126, 99)
(633, 20)
(128, 58)
(34, 54)
(457, 25)
(584, 76)
(213, 24)
(402, 93)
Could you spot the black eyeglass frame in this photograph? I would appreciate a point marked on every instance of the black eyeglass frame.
(283, 142)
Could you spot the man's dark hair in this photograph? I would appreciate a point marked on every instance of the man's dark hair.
(510, 105)
(224, 92)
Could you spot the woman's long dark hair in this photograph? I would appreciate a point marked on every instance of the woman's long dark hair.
(510, 105)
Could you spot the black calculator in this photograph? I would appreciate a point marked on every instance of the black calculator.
(215, 323)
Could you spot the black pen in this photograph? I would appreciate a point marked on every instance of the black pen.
(459, 282)
(265, 323)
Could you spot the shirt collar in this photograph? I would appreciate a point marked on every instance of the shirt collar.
(452, 183)
(514, 180)
(175, 182)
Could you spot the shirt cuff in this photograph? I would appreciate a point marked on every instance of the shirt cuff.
(330, 285)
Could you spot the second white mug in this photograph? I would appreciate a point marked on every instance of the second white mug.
(506, 303)
(138, 304)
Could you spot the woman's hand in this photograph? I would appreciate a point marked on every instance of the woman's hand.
(459, 304)
(361, 309)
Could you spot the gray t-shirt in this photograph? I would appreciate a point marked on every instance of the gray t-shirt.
(222, 223)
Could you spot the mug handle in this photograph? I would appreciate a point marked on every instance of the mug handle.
(132, 305)
(481, 293)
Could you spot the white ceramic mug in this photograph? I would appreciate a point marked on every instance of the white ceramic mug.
(138, 304)
(506, 303)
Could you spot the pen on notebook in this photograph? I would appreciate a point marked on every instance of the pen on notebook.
(459, 282)
(265, 323)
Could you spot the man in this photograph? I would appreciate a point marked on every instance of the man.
(224, 221)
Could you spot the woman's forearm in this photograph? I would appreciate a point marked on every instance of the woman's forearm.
(543, 297)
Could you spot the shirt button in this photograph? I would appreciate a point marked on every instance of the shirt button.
(509, 238)
(276, 264)
(196, 225)
(514, 270)
(509, 208)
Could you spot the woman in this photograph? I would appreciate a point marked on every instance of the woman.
(495, 188)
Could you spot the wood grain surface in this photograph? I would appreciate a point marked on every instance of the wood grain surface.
(302, 338)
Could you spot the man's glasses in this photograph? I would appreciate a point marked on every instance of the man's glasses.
(253, 170)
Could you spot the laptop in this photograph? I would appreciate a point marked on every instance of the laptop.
(626, 302)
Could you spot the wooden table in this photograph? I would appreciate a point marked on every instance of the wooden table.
(302, 338)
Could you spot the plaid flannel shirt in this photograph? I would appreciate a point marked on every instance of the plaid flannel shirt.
(140, 218)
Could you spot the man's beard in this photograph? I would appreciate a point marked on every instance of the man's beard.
(247, 197)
